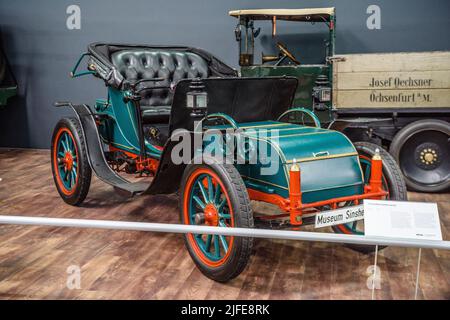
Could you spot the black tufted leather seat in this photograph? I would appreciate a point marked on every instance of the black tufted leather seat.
(171, 65)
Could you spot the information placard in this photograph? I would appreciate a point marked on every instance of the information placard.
(402, 219)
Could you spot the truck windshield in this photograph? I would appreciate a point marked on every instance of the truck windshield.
(308, 42)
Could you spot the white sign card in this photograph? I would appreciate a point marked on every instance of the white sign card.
(402, 219)
(339, 216)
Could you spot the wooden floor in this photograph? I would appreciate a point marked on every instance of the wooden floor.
(143, 265)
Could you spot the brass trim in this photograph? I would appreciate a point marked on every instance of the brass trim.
(341, 155)
(300, 134)
(266, 125)
(123, 146)
(299, 127)
(284, 129)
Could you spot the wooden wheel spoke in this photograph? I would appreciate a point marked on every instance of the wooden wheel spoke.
(72, 178)
(217, 193)
(224, 215)
(216, 246)
(210, 189)
(222, 204)
(69, 177)
(199, 202)
(208, 243)
(66, 174)
(65, 147)
(61, 162)
(224, 243)
(202, 190)
(69, 142)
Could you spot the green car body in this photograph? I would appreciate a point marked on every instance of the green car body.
(313, 148)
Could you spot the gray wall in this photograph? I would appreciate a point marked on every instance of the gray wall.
(42, 50)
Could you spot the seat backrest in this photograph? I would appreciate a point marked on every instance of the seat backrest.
(171, 65)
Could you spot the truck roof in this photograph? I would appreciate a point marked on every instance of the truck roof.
(311, 14)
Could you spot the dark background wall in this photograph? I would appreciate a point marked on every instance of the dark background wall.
(42, 50)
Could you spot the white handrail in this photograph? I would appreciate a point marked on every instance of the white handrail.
(241, 232)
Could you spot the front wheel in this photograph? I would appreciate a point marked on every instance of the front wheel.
(71, 170)
(215, 195)
(392, 182)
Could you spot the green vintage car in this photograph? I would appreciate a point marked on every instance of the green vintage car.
(182, 117)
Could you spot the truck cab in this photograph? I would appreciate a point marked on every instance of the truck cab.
(314, 89)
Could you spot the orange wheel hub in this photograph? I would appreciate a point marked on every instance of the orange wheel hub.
(211, 215)
(68, 161)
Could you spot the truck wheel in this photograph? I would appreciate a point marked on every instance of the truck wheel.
(215, 195)
(71, 170)
(392, 182)
(422, 150)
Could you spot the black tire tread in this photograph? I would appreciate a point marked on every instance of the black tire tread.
(246, 213)
(390, 163)
(84, 180)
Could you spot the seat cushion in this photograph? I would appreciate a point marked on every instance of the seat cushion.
(171, 65)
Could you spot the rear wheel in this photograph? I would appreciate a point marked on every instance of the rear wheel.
(215, 195)
(392, 181)
(422, 150)
(71, 170)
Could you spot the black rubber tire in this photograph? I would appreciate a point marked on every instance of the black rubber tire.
(243, 218)
(85, 171)
(394, 180)
(391, 170)
(407, 133)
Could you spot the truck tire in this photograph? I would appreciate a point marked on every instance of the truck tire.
(215, 195)
(422, 150)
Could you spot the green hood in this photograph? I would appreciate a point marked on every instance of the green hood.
(328, 161)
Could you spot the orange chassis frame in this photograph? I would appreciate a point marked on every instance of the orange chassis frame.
(293, 204)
